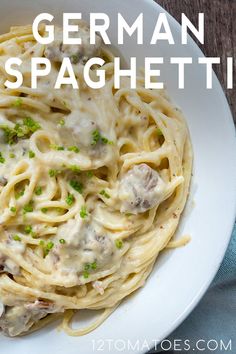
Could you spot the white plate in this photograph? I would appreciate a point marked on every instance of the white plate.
(180, 277)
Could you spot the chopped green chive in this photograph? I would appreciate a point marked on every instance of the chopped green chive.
(46, 248)
(74, 149)
(44, 210)
(96, 136)
(119, 244)
(74, 168)
(86, 274)
(56, 147)
(2, 160)
(70, 199)
(76, 186)
(20, 194)
(38, 190)
(31, 124)
(94, 265)
(83, 212)
(105, 194)
(31, 154)
(52, 173)
(28, 208)
(28, 229)
(90, 174)
(62, 241)
(88, 267)
(16, 238)
(106, 141)
(159, 132)
(62, 122)
(18, 102)
(13, 209)
(9, 134)
(20, 131)
(12, 155)
(50, 245)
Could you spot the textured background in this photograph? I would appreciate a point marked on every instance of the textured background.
(220, 32)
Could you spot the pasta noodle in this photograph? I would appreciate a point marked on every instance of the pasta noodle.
(92, 187)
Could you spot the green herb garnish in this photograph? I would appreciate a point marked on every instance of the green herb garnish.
(70, 199)
(38, 190)
(28, 229)
(2, 160)
(105, 194)
(44, 210)
(94, 265)
(56, 147)
(16, 238)
(31, 124)
(88, 267)
(20, 130)
(13, 209)
(46, 249)
(62, 241)
(90, 174)
(31, 154)
(50, 245)
(83, 212)
(18, 102)
(76, 186)
(119, 244)
(62, 122)
(74, 168)
(74, 149)
(53, 173)
(28, 208)
(86, 274)
(97, 137)
(20, 194)
(106, 141)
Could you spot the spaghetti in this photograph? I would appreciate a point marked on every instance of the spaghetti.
(92, 187)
